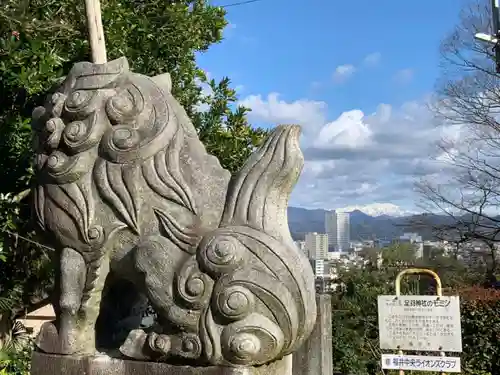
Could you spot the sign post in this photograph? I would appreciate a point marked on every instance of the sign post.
(493, 39)
(420, 323)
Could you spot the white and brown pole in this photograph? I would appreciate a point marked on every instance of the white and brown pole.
(494, 38)
(96, 31)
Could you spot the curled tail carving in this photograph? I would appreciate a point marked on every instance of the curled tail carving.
(263, 286)
(258, 194)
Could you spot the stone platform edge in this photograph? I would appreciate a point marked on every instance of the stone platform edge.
(53, 364)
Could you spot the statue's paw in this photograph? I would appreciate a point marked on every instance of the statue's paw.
(153, 346)
(57, 338)
(48, 338)
(135, 345)
(145, 346)
(252, 341)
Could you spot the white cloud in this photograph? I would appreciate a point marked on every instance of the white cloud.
(348, 130)
(343, 72)
(357, 158)
(206, 91)
(404, 76)
(274, 110)
(372, 59)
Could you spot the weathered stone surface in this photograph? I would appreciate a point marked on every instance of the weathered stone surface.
(125, 188)
(315, 357)
(54, 364)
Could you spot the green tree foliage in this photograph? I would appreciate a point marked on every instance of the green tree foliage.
(399, 254)
(354, 309)
(25, 267)
(354, 320)
(40, 40)
(16, 362)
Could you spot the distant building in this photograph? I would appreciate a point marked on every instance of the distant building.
(318, 266)
(333, 255)
(360, 245)
(477, 252)
(414, 239)
(337, 226)
(317, 245)
(368, 243)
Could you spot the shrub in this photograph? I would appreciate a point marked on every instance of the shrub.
(480, 311)
(16, 361)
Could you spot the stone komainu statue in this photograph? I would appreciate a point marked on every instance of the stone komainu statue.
(125, 185)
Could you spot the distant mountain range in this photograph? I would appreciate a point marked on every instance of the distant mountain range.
(363, 226)
(379, 209)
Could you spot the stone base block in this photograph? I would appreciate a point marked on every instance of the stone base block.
(315, 357)
(53, 364)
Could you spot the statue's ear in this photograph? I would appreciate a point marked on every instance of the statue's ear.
(164, 81)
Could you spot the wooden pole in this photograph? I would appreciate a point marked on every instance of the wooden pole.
(96, 31)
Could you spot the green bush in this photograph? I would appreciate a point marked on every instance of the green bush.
(480, 312)
(16, 361)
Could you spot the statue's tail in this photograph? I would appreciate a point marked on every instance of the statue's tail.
(259, 193)
(264, 284)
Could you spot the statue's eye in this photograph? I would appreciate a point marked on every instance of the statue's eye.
(123, 107)
(78, 99)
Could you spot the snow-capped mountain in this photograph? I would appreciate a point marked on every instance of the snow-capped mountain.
(382, 220)
(379, 209)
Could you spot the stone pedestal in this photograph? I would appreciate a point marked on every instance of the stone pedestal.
(315, 357)
(53, 364)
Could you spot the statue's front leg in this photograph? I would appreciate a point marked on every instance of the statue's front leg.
(63, 337)
(80, 285)
(73, 276)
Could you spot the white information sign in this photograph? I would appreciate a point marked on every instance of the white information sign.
(421, 323)
(420, 363)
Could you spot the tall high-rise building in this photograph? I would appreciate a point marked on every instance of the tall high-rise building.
(317, 245)
(337, 226)
(331, 227)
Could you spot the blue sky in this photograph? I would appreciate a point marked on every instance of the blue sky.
(352, 73)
